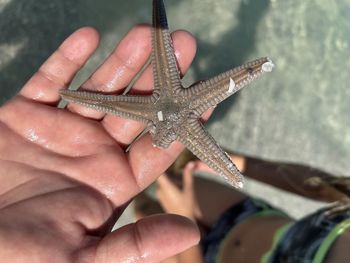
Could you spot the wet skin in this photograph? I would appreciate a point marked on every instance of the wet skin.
(172, 112)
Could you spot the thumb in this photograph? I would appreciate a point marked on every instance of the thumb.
(151, 239)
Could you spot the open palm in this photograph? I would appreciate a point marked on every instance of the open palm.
(64, 175)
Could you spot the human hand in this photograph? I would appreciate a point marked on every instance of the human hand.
(174, 200)
(64, 175)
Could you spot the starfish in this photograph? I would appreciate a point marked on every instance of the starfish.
(173, 112)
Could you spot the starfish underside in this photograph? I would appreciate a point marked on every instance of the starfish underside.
(172, 112)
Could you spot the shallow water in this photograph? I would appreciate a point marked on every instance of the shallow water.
(299, 113)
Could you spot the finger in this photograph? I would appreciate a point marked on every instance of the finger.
(164, 182)
(185, 47)
(57, 131)
(123, 130)
(60, 68)
(119, 68)
(151, 239)
(205, 116)
(166, 192)
(148, 162)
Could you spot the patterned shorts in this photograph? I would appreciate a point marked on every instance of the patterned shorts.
(305, 241)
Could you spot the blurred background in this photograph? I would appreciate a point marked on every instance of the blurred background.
(298, 113)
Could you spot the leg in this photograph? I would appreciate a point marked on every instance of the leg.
(213, 199)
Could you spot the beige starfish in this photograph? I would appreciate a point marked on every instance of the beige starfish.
(172, 112)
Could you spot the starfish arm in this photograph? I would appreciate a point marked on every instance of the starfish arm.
(200, 143)
(130, 107)
(206, 94)
(161, 141)
(165, 71)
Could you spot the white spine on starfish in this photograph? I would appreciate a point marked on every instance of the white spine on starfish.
(239, 185)
(160, 116)
(232, 86)
(267, 66)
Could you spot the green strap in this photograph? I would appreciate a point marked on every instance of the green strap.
(276, 239)
(328, 241)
